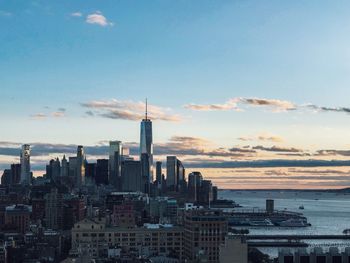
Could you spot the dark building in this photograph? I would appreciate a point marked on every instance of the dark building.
(90, 173)
(131, 176)
(194, 185)
(159, 173)
(145, 168)
(206, 192)
(18, 217)
(205, 231)
(53, 169)
(175, 174)
(6, 178)
(101, 172)
(11, 176)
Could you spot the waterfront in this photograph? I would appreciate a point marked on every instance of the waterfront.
(328, 213)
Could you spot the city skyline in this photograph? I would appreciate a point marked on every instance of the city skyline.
(259, 83)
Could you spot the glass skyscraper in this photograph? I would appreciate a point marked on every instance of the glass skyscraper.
(26, 175)
(146, 148)
(114, 165)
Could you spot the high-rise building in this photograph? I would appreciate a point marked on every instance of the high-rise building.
(26, 175)
(205, 231)
(114, 166)
(53, 209)
(159, 173)
(80, 166)
(131, 176)
(102, 172)
(90, 173)
(175, 173)
(171, 172)
(53, 169)
(146, 148)
(72, 167)
(16, 173)
(194, 185)
(64, 167)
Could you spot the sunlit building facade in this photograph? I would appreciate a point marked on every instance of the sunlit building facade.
(26, 175)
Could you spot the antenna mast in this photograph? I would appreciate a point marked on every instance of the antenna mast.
(146, 108)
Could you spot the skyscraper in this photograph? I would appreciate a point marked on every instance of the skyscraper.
(114, 164)
(26, 175)
(64, 167)
(146, 148)
(80, 166)
(159, 173)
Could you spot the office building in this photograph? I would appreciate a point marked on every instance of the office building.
(102, 171)
(175, 174)
(131, 176)
(53, 169)
(53, 209)
(205, 231)
(115, 152)
(18, 217)
(159, 173)
(26, 175)
(64, 167)
(80, 167)
(146, 148)
(90, 173)
(94, 238)
(235, 249)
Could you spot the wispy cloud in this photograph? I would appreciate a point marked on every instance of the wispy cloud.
(328, 109)
(128, 110)
(275, 105)
(38, 116)
(98, 18)
(264, 137)
(229, 105)
(76, 14)
(277, 149)
(236, 103)
(56, 114)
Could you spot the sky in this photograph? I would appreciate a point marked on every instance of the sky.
(252, 93)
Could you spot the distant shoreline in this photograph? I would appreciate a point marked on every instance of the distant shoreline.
(342, 190)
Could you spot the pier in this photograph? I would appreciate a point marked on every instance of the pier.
(297, 237)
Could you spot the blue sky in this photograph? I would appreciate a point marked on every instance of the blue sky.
(56, 56)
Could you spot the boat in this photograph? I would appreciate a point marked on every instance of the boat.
(294, 222)
(301, 207)
(264, 222)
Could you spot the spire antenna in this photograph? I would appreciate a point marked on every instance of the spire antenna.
(146, 108)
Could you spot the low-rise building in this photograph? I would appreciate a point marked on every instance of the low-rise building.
(94, 238)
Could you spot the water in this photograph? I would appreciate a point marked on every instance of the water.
(328, 213)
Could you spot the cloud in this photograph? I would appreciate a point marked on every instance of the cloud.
(98, 18)
(275, 105)
(56, 114)
(76, 14)
(235, 103)
(128, 110)
(328, 109)
(333, 152)
(268, 163)
(277, 149)
(262, 137)
(38, 116)
(229, 105)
